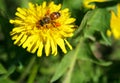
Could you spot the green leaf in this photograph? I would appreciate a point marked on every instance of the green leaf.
(97, 25)
(86, 54)
(63, 66)
(94, 26)
(97, 22)
(2, 69)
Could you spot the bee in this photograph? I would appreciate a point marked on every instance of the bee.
(49, 18)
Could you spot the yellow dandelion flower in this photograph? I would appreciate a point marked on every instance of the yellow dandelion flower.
(43, 26)
(86, 3)
(115, 23)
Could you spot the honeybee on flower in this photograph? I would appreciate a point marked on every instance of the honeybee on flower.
(50, 19)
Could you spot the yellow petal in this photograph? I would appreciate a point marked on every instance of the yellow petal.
(44, 4)
(18, 39)
(14, 37)
(23, 39)
(53, 7)
(31, 6)
(21, 11)
(30, 44)
(40, 48)
(53, 46)
(36, 46)
(20, 15)
(68, 44)
(61, 44)
(12, 21)
(26, 43)
(47, 47)
(70, 20)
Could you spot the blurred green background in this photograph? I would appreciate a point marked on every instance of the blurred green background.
(19, 66)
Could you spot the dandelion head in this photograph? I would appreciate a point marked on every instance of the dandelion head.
(42, 28)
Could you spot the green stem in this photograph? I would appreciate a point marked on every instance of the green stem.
(28, 68)
(71, 67)
(69, 72)
(33, 74)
